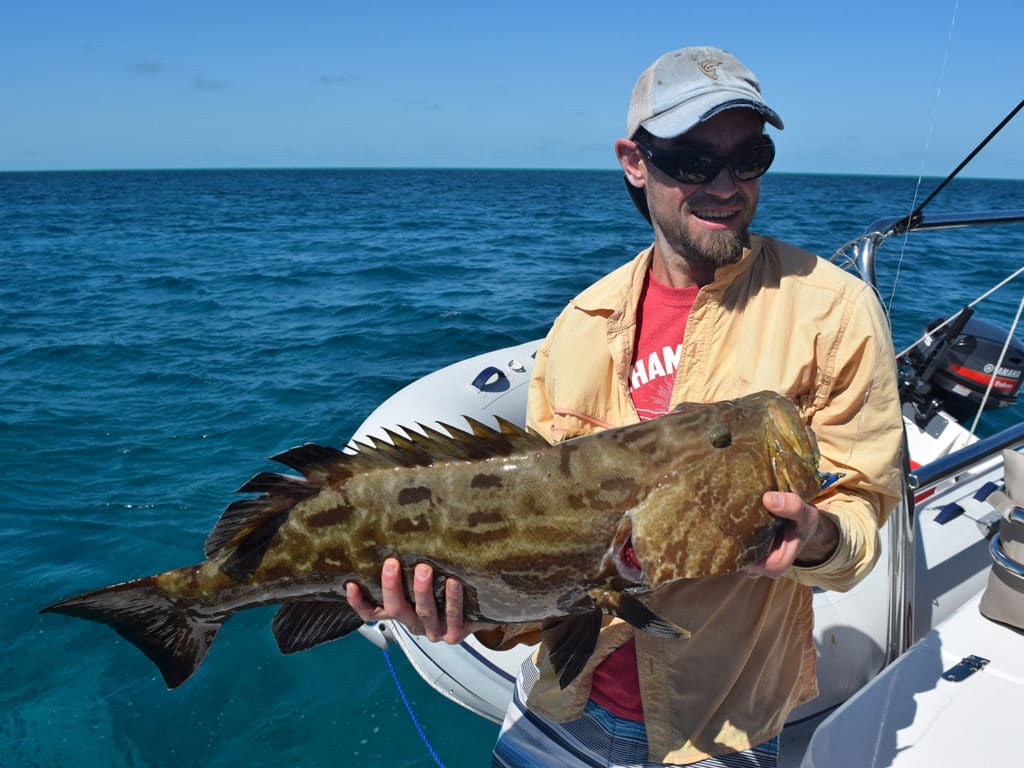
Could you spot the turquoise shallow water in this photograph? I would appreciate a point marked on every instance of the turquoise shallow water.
(163, 332)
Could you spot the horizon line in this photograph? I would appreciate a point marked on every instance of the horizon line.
(321, 168)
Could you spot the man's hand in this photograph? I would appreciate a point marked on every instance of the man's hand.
(807, 537)
(423, 617)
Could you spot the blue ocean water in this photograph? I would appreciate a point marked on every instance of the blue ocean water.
(163, 332)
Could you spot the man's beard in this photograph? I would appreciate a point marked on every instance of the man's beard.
(714, 249)
(704, 249)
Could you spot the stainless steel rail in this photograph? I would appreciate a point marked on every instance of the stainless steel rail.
(902, 572)
(1007, 563)
(954, 463)
(902, 523)
(879, 231)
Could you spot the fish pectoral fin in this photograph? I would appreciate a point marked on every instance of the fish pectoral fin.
(172, 636)
(571, 642)
(628, 608)
(303, 624)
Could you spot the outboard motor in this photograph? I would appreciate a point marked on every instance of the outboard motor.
(951, 369)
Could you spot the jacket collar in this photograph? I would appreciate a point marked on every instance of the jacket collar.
(620, 290)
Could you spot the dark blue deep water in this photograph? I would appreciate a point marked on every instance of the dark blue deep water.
(163, 332)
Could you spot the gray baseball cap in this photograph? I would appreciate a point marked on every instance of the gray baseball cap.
(691, 85)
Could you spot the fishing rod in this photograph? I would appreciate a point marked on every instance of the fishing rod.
(915, 217)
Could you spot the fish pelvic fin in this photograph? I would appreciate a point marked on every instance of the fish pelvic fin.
(571, 642)
(167, 632)
(302, 624)
(630, 609)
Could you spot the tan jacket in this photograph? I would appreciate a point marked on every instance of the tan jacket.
(780, 319)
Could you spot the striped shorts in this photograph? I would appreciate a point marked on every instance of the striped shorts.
(598, 739)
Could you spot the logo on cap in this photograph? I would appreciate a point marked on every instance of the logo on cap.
(710, 67)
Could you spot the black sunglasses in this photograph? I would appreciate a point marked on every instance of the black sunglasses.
(696, 166)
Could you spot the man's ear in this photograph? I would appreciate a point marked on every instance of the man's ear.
(630, 160)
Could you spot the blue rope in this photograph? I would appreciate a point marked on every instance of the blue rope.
(408, 708)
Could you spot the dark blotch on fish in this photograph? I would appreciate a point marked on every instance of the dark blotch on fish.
(405, 525)
(414, 495)
(338, 515)
(485, 481)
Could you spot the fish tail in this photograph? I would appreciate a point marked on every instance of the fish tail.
(173, 637)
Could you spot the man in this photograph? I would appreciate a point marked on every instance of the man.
(708, 312)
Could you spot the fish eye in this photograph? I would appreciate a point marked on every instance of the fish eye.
(720, 436)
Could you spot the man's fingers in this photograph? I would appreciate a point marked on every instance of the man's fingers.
(456, 629)
(802, 536)
(421, 616)
(393, 595)
(787, 505)
(367, 611)
(426, 605)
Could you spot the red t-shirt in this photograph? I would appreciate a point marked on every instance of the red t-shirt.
(660, 325)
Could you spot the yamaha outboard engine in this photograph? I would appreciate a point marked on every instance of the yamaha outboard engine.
(952, 368)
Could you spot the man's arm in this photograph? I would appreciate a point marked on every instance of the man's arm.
(859, 429)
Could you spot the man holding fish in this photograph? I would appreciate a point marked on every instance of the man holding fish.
(709, 312)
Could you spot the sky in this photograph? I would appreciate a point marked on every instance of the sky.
(889, 87)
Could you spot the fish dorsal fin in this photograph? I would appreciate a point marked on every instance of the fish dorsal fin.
(248, 525)
(428, 445)
(243, 518)
(314, 462)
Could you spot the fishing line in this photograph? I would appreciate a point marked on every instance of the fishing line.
(916, 210)
(408, 708)
(999, 365)
(915, 217)
(970, 305)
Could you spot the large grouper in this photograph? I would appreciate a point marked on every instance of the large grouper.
(547, 535)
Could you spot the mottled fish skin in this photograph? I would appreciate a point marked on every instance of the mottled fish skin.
(695, 524)
(534, 532)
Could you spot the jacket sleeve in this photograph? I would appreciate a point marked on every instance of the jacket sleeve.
(539, 412)
(857, 419)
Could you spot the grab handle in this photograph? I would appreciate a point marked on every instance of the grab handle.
(491, 379)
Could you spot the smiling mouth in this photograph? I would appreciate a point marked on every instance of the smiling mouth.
(715, 216)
